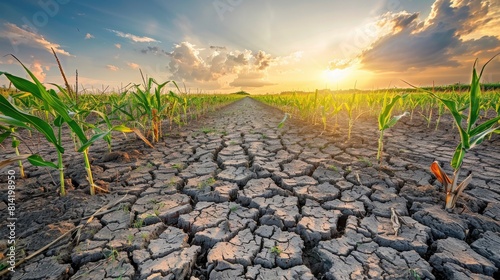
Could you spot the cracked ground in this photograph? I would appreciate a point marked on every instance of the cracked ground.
(231, 196)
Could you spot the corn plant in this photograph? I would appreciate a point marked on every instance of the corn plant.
(471, 134)
(385, 121)
(351, 105)
(15, 118)
(61, 114)
(440, 114)
(8, 128)
(282, 122)
(150, 105)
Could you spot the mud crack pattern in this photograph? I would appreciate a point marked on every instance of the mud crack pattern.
(234, 197)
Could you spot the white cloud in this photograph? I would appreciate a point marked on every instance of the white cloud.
(37, 70)
(118, 46)
(7, 60)
(227, 67)
(22, 36)
(89, 36)
(135, 38)
(132, 65)
(112, 67)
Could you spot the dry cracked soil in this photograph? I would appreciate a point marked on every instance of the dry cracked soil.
(231, 196)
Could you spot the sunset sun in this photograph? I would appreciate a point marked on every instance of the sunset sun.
(336, 75)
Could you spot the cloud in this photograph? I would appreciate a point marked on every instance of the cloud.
(154, 50)
(135, 38)
(89, 36)
(227, 67)
(9, 60)
(440, 40)
(185, 63)
(22, 36)
(112, 67)
(118, 46)
(37, 70)
(262, 60)
(132, 65)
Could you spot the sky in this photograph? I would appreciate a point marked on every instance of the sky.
(221, 46)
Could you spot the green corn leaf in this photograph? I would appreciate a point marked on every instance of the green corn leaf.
(58, 121)
(484, 126)
(24, 85)
(50, 98)
(62, 91)
(121, 128)
(34, 159)
(104, 117)
(13, 122)
(458, 157)
(77, 130)
(37, 160)
(282, 123)
(94, 138)
(158, 92)
(475, 99)
(385, 115)
(39, 124)
(477, 139)
(457, 117)
(394, 120)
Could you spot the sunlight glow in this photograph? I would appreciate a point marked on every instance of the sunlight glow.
(336, 75)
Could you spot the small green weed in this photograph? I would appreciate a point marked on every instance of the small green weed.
(139, 223)
(130, 239)
(178, 166)
(276, 250)
(207, 183)
(333, 168)
(207, 130)
(413, 274)
(366, 161)
(112, 255)
(125, 208)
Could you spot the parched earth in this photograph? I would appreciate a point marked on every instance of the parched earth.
(234, 197)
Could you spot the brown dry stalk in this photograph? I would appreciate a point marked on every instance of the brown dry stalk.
(76, 86)
(156, 126)
(68, 88)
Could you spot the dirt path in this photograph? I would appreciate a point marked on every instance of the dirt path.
(234, 197)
